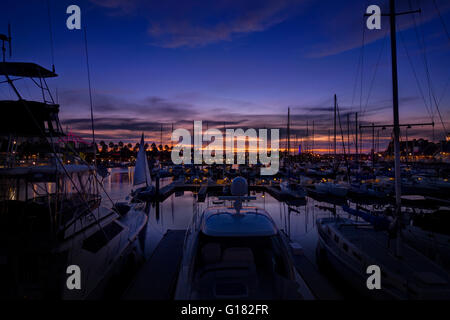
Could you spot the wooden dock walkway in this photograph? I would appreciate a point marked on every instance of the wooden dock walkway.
(202, 193)
(166, 191)
(157, 278)
(316, 282)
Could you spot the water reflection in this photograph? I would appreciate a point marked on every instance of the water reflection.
(297, 220)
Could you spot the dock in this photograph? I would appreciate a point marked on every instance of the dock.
(157, 278)
(201, 196)
(166, 191)
(203, 190)
(316, 282)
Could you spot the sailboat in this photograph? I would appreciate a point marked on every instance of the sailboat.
(292, 190)
(327, 186)
(350, 247)
(142, 176)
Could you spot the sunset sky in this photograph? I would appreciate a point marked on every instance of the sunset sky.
(234, 63)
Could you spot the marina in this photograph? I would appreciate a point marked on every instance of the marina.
(287, 196)
(298, 220)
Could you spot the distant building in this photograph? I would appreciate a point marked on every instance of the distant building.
(415, 147)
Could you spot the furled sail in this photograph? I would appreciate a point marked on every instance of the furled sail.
(141, 171)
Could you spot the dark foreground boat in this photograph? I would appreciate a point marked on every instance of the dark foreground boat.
(51, 218)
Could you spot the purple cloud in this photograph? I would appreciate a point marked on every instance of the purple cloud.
(174, 24)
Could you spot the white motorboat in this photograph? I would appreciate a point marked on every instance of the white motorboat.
(351, 247)
(237, 253)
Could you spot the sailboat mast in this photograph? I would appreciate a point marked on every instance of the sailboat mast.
(348, 133)
(307, 137)
(395, 107)
(289, 132)
(373, 146)
(171, 141)
(356, 136)
(334, 141)
(160, 136)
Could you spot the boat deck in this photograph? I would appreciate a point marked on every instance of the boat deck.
(157, 278)
(376, 244)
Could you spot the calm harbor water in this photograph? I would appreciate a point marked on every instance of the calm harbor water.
(298, 220)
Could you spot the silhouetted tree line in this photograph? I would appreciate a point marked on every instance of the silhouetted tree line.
(126, 151)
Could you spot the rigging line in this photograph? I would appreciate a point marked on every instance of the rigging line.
(95, 176)
(422, 47)
(90, 97)
(362, 70)
(59, 161)
(432, 94)
(440, 117)
(442, 20)
(343, 144)
(428, 76)
(375, 73)
(416, 77)
(445, 90)
(53, 149)
(357, 70)
(50, 29)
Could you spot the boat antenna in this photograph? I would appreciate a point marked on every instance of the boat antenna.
(6, 38)
(90, 97)
(50, 29)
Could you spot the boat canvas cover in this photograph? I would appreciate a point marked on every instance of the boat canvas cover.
(379, 222)
(141, 171)
(25, 69)
(224, 222)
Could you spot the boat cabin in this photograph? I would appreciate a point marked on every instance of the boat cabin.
(237, 256)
